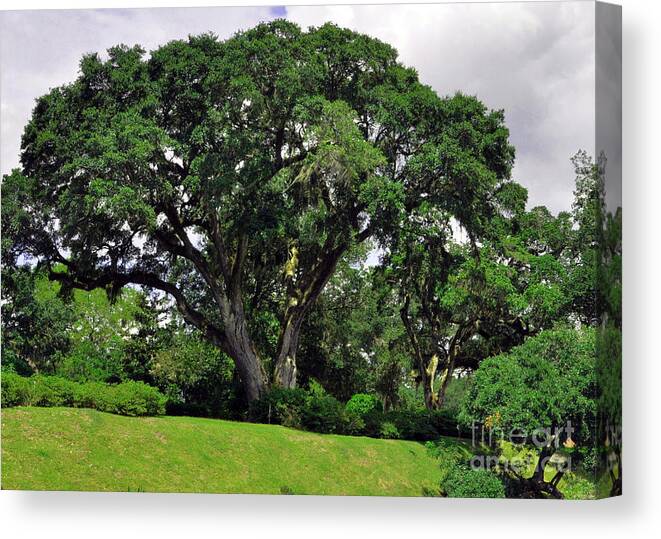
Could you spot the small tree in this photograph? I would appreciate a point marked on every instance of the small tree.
(35, 326)
(543, 390)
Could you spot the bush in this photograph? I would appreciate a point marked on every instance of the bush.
(353, 423)
(413, 425)
(388, 430)
(52, 391)
(362, 404)
(463, 482)
(419, 425)
(91, 395)
(318, 411)
(37, 390)
(127, 398)
(15, 389)
(134, 399)
(448, 452)
(196, 377)
(322, 412)
(281, 407)
(588, 459)
(311, 409)
(179, 408)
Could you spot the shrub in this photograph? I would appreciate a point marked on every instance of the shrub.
(191, 409)
(449, 452)
(388, 430)
(464, 482)
(127, 398)
(280, 406)
(35, 391)
(196, 377)
(353, 423)
(91, 395)
(362, 404)
(15, 389)
(311, 409)
(316, 410)
(51, 391)
(588, 458)
(419, 425)
(323, 412)
(413, 425)
(134, 399)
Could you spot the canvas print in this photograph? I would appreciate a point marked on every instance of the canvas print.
(342, 250)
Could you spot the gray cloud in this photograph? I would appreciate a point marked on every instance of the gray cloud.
(535, 60)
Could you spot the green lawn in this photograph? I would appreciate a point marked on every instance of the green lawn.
(76, 449)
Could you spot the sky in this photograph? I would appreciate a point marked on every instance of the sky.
(535, 60)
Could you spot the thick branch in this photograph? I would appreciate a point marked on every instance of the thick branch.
(237, 268)
(220, 252)
(190, 252)
(413, 338)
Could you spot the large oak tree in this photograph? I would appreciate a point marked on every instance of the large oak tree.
(233, 176)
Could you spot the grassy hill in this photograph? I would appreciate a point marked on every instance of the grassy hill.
(76, 449)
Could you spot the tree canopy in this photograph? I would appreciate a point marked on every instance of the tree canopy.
(233, 176)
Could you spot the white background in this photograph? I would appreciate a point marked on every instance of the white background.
(637, 513)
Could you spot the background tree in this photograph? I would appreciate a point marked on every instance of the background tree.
(537, 389)
(335, 337)
(85, 337)
(462, 304)
(455, 180)
(99, 332)
(608, 231)
(196, 377)
(353, 340)
(35, 327)
(609, 349)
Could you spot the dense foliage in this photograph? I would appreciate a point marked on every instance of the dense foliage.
(315, 410)
(463, 482)
(128, 398)
(545, 382)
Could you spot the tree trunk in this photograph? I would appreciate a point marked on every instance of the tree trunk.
(425, 364)
(546, 452)
(616, 488)
(240, 348)
(456, 343)
(427, 375)
(285, 366)
(301, 298)
(446, 376)
(536, 486)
